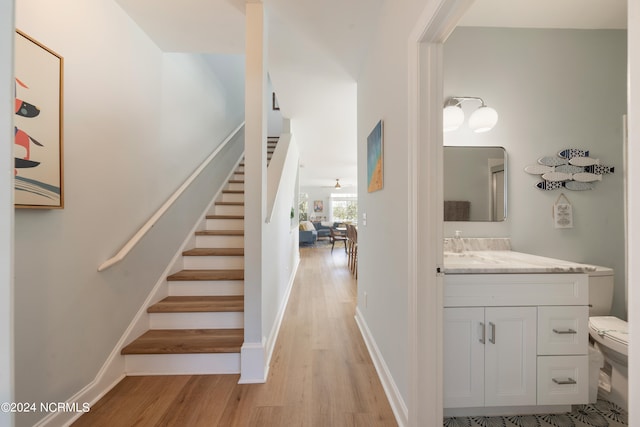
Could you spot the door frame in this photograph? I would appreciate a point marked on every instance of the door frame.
(425, 217)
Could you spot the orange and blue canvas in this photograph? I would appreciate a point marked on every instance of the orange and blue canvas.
(374, 159)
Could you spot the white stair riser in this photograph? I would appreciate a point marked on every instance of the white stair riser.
(235, 186)
(213, 262)
(206, 287)
(238, 176)
(220, 241)
(240, 169)
(182, 364)
(233, 197)
(225, 224)
(229, 210)
(217, 320)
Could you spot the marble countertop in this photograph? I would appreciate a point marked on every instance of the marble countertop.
(506, 262)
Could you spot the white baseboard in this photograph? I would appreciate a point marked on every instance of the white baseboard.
(391, 390)
(90, 394)
(254, 369)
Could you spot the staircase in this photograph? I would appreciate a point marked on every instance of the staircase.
(198, 328)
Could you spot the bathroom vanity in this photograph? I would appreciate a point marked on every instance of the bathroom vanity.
(515, 332)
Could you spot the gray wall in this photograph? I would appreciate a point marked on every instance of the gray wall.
(137, 123)
(553, 89)
(384, 242)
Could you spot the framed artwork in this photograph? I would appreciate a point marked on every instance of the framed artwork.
(274, 102)
(375, 158)
(38, 125)
(318, 206)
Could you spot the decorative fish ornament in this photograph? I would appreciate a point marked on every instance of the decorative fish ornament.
(584, 161)
(538, 169)
(570, 169)
(569, 153)
(552, 161)
(557, 176)
(550, 185)
(599, 169)
(578, 186)
(586, 177)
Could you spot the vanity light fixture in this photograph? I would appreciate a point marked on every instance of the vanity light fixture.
(481, 120)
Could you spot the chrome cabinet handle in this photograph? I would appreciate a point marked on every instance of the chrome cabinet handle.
(492, 338)
(564, 331)
(483, 333)
(564, 382)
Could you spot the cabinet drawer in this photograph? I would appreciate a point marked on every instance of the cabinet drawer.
(563, 380)
(563, 330)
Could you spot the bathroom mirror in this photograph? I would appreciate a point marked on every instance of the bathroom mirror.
(475, 185)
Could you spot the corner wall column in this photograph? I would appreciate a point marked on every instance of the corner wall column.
(253, 357)
(7, 379)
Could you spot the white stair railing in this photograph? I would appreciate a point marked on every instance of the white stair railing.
(122, 253)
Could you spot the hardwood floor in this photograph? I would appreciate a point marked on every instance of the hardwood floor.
(321, 373)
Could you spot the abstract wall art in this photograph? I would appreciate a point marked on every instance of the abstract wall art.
(375, 142)
(38, 125)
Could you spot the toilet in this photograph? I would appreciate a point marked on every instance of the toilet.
(609, 336)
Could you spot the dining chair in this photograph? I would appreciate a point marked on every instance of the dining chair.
(337, 236)
(352, 249)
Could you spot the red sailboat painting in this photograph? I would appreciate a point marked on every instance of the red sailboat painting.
(38, 125)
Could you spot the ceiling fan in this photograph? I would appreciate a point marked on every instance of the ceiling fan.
(338, 185)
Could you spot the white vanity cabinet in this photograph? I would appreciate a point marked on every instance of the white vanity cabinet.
(515, 340)
(490, 356)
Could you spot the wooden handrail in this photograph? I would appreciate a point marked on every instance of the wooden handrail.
(165, 207)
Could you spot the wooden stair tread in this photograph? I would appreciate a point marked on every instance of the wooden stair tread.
(230, 203)
(232, 191)
(198, 304)
(236, 181)
(197, 275)
(186, 341)
(220, 233)
(225, 216)
(214, 252)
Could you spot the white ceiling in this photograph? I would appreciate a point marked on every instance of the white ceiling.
(316, 49)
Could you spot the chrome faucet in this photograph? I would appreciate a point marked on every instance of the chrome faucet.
(458, 246)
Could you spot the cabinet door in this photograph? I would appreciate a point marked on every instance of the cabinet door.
(463, 357)
(510, 356)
